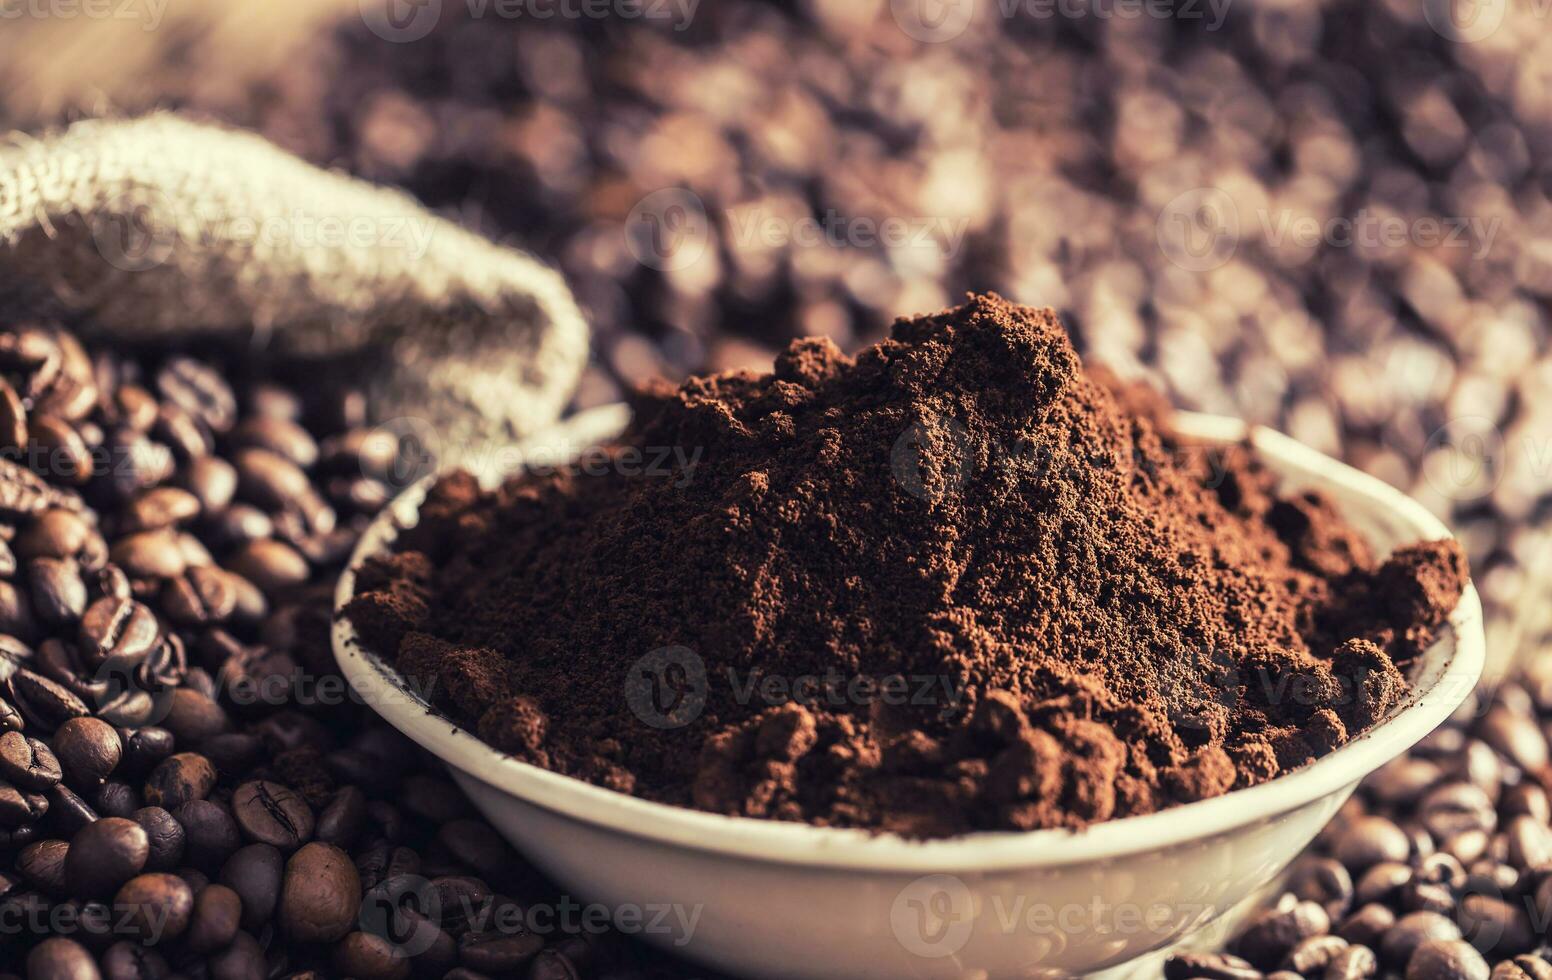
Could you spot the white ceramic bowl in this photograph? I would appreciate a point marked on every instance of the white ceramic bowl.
(769, 899)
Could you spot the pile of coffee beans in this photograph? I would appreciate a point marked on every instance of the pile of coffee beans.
(1440, 868)
(187, 788)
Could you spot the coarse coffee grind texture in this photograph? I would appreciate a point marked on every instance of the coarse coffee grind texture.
(953, 583)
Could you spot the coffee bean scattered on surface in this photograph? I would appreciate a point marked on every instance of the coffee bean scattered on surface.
(1437, 867)
(1079, 618)
(185, 788)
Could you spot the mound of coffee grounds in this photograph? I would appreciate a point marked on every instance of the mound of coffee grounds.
(952, 583)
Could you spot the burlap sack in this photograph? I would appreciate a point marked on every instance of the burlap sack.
(160, 228)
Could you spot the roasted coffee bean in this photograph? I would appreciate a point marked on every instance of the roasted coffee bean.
(149, 555)
(1410, 932)
(58, 958)
(165, 839)
(270, 813)
(499, 953)
(1382, 882)
(1208, 966)
(1447, 959)
(255, 872)
(57, 589)
(58, 534)
(131, 961)
(67, 812)
(320, 895)
(198, 390)
(13, 420)
(1420, 896)
(13, 654)
(212, 481)
(210, 833)
(42, 865)
(154, 907)
(10, 719)
(89, 751)
(1495, 926)
(44, 703)
(27, 763)
(160, 508)
(1352, 963)
(270, 565)
(1323, 881)
(242, 959)
(1516, 737)
(461, 897)
(216, 918)
(340, 820)
(268, 479)
(194, 718)
(16, 615)
(201, 597)
(370, 957)
(58, 447)
(121, 629)
(178, 779)
(104, 855)
(282, 436)
(233, 751)
(145, 748)
(1367, 925)
(116, 799)
(1457, 807)
(1523, 968)
(20, 807)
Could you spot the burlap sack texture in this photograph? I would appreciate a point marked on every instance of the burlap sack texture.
(160, 228)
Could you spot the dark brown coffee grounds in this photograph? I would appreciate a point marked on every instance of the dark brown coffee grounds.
(954, 583)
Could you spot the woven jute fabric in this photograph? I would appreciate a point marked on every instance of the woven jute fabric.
(161, 228)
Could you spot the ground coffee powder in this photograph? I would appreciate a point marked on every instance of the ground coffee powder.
(953, 583)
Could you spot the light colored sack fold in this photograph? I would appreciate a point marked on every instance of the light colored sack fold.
(160, 228)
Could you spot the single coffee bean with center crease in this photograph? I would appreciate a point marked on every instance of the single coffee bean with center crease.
(42, 864)
(119, 628)
(58, 958)
(89, 751)
(210, 833)
(154, 907)
(178, 779)
(27, 762)
(320, 895)
(116, 799)
(1446, 959)
(255, 872)
(1456, 807)
(165, 838)
(203, 596)
(20, 807)
(104, 855)
(1523, 968)
(197, 389)
(44, 703)
(215, 920)
(271, 813)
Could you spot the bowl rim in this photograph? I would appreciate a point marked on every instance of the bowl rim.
(772, 841)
